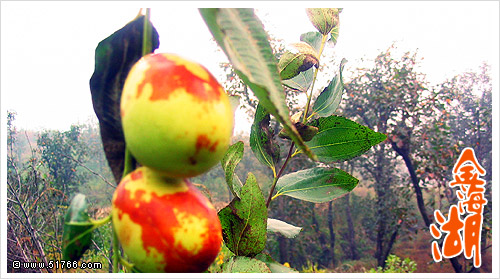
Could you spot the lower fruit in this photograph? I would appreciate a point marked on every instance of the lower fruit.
(165, 225)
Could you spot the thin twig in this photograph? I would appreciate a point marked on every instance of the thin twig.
(93, 172)
(275, 181)
(16, 240)
(103, 253)
(31, 230)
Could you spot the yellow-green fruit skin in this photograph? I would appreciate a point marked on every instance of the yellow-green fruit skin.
(165, 225)
(176, 117)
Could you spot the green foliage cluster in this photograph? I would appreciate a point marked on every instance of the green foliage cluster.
(319, 134)
(61, 153)
(44, 172)
(394, 264)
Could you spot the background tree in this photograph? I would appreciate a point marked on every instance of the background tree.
(384, 98)
(417, 120)
(61, 153)
(466, 121)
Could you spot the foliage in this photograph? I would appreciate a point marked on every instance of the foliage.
(464, 120)
(114, 56)
(241, 36)
(312, 268)
(35, 206)
(386, 97)
(418, 120)
(61, 153)
(395, 265)
(293, 208)
(244, 220)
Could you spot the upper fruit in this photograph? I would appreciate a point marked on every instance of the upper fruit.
(176, 117)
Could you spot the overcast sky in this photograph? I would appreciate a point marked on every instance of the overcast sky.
(47, 49)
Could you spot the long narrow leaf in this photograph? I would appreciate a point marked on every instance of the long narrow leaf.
(243, 39)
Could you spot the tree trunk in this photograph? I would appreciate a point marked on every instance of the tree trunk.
(332, 234)
(381, 190)
(391, 243)
(420, 200)
(325, 252)
(282, 242)
(350, 228)
(379, 254)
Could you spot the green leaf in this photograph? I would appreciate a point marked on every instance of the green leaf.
(313, 39)
(340, 139)
(328, 101)
(77, 229)
(334, 35)
(300, 59)
(273, 265)
(241, 264)
(283, 228)
(243, 39)
(114, 56)
(244, 221)
(301, 82)
(316, 184)
(265, 148)
(324, 19)
(232, 157)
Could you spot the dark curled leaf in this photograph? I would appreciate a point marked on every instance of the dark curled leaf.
(114, 56)
(263, 145)
(299, 59)
(77, 230)
(244, 221)
(305, 131)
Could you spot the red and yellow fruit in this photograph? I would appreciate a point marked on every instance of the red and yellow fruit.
(165, 225)
(176, 117)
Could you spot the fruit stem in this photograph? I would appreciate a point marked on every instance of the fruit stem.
(146, 35)
(101, 222)
(116, 251)
(128, 165)
(126, 264)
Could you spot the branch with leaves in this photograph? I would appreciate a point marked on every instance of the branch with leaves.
(316, 132)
